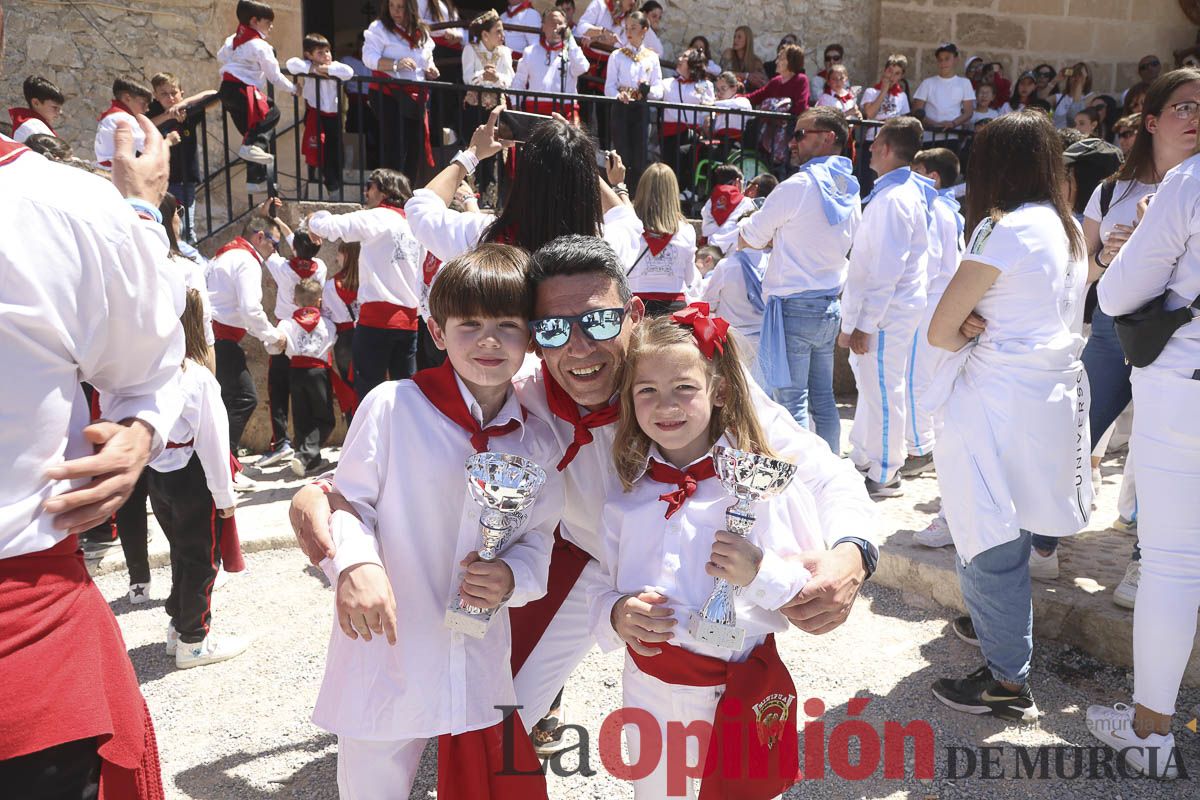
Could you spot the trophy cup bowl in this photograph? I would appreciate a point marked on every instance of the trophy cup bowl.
(504, 486)
(749, 477)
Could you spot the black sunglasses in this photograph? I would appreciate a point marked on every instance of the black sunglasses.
(599, 325)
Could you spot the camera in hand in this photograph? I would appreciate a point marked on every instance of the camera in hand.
(516, 126)
(643, 90)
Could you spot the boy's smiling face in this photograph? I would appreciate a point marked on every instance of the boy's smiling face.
(485, 351)
(320, 56)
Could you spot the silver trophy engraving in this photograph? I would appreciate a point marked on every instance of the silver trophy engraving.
(749, 477)
(504, 486)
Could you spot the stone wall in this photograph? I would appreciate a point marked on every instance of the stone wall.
(83, 46)
(1110, 35)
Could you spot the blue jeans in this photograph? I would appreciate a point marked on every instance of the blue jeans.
(810, 325)
(999, 597)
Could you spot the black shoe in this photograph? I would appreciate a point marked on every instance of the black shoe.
(964, 629)
(915, 465)
(878, 490)
(980, 693)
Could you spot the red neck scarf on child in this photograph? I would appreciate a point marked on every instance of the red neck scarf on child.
(844, 98)
(10, 151)
(307, 317)
(303, 267)
(117, 107)
(687, 480)
(20, 116)
(563, 406)
(895, 90)
(347, 294)
(239, 243)
(244, 34)
(657, 242)
(441, 389)
(725, 199)
(519, 7)
(393, 207)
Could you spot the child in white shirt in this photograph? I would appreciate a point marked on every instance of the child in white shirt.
(130, 97)
(322, 142)
(663, 540)
(983, 104)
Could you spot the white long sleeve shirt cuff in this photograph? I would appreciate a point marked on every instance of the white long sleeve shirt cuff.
(159, 410)
(601, 608)
(354, 543)
(527, 586)
(777, 582)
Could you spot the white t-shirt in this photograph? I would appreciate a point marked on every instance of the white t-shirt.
(894, 105)
(944, 97)
(1037, 300)
(987, 113)
(1122, 209)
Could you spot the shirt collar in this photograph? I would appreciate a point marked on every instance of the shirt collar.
(657, 455)
(509, 411)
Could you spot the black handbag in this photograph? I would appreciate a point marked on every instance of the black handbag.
(1144, 333)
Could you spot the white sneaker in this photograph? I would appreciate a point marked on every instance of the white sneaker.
(255, 154)
(256, 188)
(1155, 756)
(1125, 595)
(172, 639)
(936, 535)
(297, 467)
(242, 483)
(139, 593)
(209, 651)
(282, 452)
(1043, 568)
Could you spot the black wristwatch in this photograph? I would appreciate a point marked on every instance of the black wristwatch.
(868, 551)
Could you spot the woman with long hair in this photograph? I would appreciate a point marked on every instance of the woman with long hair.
(690, 87)
(1159, 265)
(1076, 85)
(1011, 455)
(663, 273)
(1106, 106)
(1023, 92)
(485, 62)
(700, 43)
(1165, 138)
(556, 191)
(741, 60)
(398, 45)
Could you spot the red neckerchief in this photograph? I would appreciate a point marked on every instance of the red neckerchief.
(563, 406)
(657, 242)
(398, 209)
(304, 267)
(414, 37)
(20, 116)
(441, 389)
(725, 200)
(116, 108)
(895, 90)
(551, 48)
(244, 34)
(239, 243)
(517, 9)
(10, 151)
(845, 98)
(307, 317)
(687, 480)
(617, 16)
(348, 295)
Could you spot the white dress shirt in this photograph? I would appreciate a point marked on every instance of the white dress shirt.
(709, 226)
(691, 93)
(625, 72)
(519, 40)
(640, 550)
(389, 264)
(195, 276)
(31, 127)
(809, 253)
(475, 57)
(728, 121)
(726, 293)
(286, 279)
(105, 145)
(945, 249)
(886, 283)
(1161, 256)
(86, 295)
(380, 43)
(672, 271)
(597, 15)
(235, 291)
(205, 424)
(253, 63)
(308, 344)
(326, 85)
(541, 69)
(402, 469)
(335, 308)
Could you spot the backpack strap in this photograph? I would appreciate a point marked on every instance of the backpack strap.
(1107, 190)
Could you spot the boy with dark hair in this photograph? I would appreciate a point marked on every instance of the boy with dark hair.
(322, 142)
(43, 107)
(760, 187)
(946, 100)
(726, 204)
(178, 118)
(884, 300)
(308, 341)
(130, 98)
(247, 62)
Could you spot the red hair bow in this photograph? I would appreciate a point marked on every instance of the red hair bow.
(710, 332)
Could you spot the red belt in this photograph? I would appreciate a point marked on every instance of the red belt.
(344, 326)
(305, 362)
(753, 753)
(378, 314)
(530, 621)
(180, 445)
(227, 333)
(257, 106)
(65, 674)
(661, 297)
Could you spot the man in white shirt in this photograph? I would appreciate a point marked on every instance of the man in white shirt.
(87, 297)
(811, 218)
(947, 100)
(520, 12)
(884, 300)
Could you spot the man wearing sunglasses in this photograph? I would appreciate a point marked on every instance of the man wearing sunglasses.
(1149, 68)
(584, 319)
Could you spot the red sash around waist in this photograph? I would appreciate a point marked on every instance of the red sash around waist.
(753, 753)
(227, 333)
(313, 142)
(473, 765)
(529, 622)
(676, 128)
(305, 362)
(378, 314)
(65, 674)
(417, 95)
(257, 106)
(344, 326)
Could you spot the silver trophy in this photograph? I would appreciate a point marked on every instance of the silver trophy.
(748, 477)
(505, 486)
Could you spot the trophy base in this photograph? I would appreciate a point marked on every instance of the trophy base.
(473, 625)
(716, 634)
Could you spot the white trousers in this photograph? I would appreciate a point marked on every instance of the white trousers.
(1166, 435)
(877, 438)
(566, 641)
(923, 361)
(368, 770)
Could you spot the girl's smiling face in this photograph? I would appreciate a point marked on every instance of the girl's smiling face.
(673, 400)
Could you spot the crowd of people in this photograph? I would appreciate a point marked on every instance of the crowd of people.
(998, 324)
